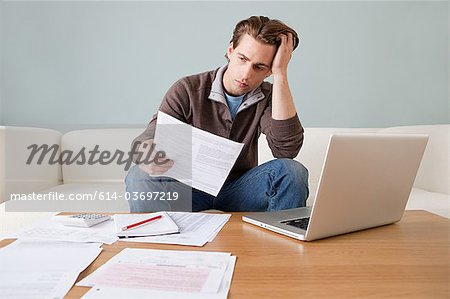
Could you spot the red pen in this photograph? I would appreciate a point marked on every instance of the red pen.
(141, 222)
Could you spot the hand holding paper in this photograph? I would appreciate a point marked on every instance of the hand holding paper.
(152, 162)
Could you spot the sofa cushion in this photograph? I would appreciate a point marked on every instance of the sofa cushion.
(92, 197)
(434, 171)
(76, 197)
(111, 140)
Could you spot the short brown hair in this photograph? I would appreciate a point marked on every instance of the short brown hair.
(263, 29)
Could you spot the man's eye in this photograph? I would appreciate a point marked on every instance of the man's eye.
(241, 58)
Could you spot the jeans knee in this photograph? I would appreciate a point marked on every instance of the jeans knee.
(294, 169)
(298, 176)
(289, 185)
(302, 172)
(134, 174)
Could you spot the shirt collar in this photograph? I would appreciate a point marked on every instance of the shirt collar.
(217, 91)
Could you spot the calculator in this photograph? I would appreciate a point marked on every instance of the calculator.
(83, 220)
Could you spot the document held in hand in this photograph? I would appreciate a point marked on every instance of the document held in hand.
(139, 226)
(201, 159)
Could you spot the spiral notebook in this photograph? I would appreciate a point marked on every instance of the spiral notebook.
(162, 226)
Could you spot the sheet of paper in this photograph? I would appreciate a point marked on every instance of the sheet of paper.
(203, 158)
(196, 229)
(216, 232)
(31, 256)
(43, 269)
(51, 229)
(162, 270)
(100, 291)
(35, 285)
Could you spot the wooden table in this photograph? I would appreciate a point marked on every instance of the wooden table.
(408, 259)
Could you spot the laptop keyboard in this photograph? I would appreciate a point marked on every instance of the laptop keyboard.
(301, 223)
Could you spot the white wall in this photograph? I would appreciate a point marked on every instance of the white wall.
(360, 64)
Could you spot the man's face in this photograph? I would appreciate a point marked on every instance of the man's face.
(250, 63)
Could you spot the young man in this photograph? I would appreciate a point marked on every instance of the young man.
(234, 102)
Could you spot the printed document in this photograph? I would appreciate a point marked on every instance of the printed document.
(162, 270)
(100, 291)
(201, 159)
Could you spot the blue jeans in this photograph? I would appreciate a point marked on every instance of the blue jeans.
(275, 185)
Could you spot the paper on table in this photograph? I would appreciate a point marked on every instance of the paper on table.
(216, 232)
(43, 269)
(100, 291)
(163, 270)
(34, 285)
(211, 160)
(28, 255)
(162, 226)
(196, 229)
(51, 229)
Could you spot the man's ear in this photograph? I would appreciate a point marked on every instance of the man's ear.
(230, 49)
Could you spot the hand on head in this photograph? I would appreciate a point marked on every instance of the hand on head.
(283, 54)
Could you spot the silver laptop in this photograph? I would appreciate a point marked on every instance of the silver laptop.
(366, 181)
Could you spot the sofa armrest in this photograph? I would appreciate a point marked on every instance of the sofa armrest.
(16, 175)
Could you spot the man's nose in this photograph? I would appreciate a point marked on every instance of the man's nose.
(247, 72)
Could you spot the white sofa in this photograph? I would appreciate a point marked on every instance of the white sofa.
(431, 190)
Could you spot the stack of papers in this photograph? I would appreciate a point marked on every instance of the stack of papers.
(43, 269)
(52, 230)
(196, 229)
(47, 258)
(162, 226)
(151, 273)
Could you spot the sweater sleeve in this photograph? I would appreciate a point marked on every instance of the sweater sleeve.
(285, 137)
(175, 103)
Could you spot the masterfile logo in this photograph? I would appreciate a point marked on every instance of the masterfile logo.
(52, 155)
